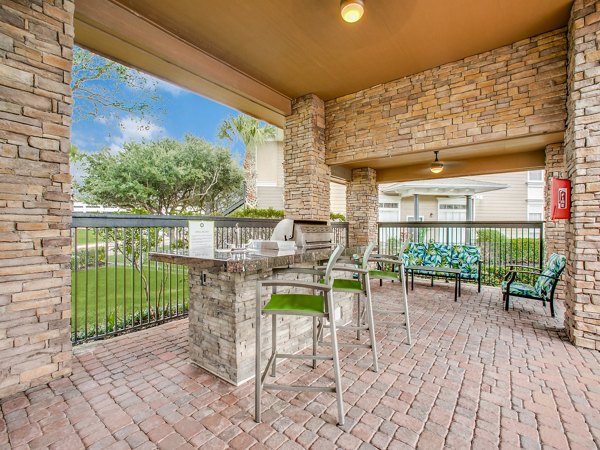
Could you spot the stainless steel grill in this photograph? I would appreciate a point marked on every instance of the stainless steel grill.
(312, 234)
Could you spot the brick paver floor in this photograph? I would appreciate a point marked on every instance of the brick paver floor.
(476, 377)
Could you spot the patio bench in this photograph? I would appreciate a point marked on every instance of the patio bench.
(463, 262)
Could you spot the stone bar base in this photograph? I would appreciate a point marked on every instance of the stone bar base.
(222, 320)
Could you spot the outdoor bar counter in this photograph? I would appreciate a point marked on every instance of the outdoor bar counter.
(222, 302)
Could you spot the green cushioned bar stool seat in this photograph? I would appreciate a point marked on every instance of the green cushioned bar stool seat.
(381, 274)
(340, 284)
(295, 303)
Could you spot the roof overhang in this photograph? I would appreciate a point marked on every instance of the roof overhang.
(257, 55)
(508, 155)
(118, 33)
(457, 187)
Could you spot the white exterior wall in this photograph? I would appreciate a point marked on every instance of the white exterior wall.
(504, 204)
(269, 175)
(337, 194)
(521, 200)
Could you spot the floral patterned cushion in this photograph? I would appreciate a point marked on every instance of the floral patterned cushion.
(439, 255)
(466, 258)
(520, 289)
(554, 267)
(415, 253)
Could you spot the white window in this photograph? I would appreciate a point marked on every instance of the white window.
(535, 175)
(412, 218)
(389, 212)
(535, 210)
(452, 209)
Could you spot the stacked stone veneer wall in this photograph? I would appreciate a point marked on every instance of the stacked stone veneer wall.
(582, 160)
(36, 45)
(362, 207)
(554, 230)
(515, 90)
(306, 186)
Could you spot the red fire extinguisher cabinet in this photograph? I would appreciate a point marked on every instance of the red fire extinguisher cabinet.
(561, 199)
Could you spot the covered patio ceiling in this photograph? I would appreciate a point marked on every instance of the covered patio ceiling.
(257, 56)
(292, 48)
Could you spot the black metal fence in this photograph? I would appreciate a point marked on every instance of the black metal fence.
(501, 243)
(116, 288)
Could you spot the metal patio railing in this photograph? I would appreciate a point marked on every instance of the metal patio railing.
(115, 286)
(501, 243)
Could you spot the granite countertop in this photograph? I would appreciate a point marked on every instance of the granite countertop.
(245, 261)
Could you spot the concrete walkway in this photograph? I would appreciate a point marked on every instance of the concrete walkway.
(476, 377)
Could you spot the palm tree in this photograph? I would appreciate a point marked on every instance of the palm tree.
(248, 131)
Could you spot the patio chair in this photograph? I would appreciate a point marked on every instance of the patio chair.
(307, 305)
(543, 288)
(359, 286)
(393, 274)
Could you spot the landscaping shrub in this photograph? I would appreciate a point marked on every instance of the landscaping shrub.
(137, 318)
(271, 213)
(259, 213)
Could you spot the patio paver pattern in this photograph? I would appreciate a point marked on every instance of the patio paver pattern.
(477, 376)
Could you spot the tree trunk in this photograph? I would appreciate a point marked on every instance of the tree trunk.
(250, 178)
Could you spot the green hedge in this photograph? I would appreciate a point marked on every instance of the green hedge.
(259, 213)
(270, 213)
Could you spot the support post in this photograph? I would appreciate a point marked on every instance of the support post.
(362, 204)
(582, 141)
(306, 176)
(36, 43)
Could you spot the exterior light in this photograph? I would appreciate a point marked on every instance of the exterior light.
(352, 10)
(436, 166)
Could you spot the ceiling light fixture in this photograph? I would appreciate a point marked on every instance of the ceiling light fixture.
(352, 10)
(436, 166)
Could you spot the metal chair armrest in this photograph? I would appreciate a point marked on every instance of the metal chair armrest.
(292, 283)
(513, 277)
(396, 262)
(381, 255)
(350, 269)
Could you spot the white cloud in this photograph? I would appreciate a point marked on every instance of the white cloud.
(160, 85)
(101, 119)
(136, 129)
(170, 88)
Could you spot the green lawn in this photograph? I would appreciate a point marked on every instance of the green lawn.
(99, 288)
(91, 236)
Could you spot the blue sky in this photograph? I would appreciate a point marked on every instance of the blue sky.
(181, 112)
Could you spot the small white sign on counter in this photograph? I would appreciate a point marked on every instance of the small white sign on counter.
(201, 238)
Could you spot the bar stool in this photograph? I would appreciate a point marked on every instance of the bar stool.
(393, 275)
(307, 305)
(360, 286)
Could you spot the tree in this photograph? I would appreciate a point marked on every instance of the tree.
(248, 131)
(162, 177)
(103, 89)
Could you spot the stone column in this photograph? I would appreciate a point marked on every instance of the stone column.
(362, 206)
(554, 230)
(582, 165)
(306, 176)
(36, 48)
